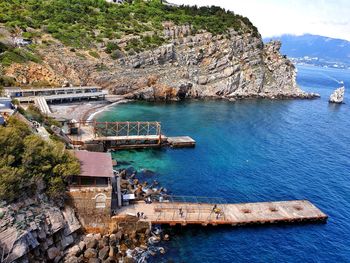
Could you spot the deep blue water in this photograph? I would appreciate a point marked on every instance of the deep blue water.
(256, 150)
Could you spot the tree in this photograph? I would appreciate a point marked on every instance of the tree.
(27, 159)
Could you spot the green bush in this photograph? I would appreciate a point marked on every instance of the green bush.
(26, 158)
(101, 67)
(80, 55)
(111, 46)
(33, 113)
(3, 47)
(17, 55)
(117, 54)
(78, 23)
(7, 81)
(94, 54)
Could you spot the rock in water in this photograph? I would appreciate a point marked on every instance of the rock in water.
(337, 96)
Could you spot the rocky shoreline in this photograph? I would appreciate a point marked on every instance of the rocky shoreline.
(132, 240)
(189, 65)
(37, 230)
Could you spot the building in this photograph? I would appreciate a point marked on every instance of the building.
(21, 42)
(6, 109)
(116, 1)
(96, 170)
(94, 193)
(55, 94)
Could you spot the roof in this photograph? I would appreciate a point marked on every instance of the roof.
(95, 164)
(17, 89)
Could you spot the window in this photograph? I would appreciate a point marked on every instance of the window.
(101, 181)
(100, 200)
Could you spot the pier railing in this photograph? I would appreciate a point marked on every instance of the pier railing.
(190, 208)
(105, 129)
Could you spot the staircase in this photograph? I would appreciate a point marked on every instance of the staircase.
(41, 103)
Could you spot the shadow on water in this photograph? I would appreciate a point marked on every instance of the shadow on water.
(335, 106)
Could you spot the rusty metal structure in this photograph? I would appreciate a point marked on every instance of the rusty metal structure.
(126, 129)
(116, 135)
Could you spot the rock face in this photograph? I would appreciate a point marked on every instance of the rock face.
(337, 96)
(190, 65)
(36, 230)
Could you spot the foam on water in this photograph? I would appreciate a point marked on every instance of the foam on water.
(256, 150)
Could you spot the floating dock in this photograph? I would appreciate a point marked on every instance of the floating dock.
(180, 141)
(226, 214)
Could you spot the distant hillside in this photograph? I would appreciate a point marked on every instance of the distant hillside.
(143, 50)
(326, 49)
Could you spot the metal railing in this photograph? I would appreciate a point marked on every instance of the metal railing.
(190, 209)
(105, 129)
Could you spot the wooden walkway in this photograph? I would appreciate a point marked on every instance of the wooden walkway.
(226, 214)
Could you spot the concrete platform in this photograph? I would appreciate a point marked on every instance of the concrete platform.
(181, 141)
(227, 214)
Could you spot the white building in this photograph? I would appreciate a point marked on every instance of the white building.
(116, 1)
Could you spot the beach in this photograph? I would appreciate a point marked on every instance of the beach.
(84, 110)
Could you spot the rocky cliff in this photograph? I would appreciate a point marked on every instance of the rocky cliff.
(337, 96)
(190, 65)
(33, 230)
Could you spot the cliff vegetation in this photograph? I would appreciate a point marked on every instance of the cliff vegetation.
(82, 22)
(85, 23)
(28, 161)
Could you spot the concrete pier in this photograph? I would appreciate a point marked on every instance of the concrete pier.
(226, 214)
(181, 141)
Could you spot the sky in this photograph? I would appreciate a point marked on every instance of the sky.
(329, 18)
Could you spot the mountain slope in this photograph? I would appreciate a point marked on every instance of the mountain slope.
(325, 48)
(143, 50)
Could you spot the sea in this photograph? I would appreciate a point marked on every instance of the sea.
(251, 151)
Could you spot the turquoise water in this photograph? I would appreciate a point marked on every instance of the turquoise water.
(256, 150)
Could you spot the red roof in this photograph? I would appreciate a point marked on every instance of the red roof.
(95, 164)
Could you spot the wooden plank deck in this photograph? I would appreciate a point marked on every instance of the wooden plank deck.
(230, 214)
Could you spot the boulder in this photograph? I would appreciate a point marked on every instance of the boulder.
(57, 259)
(113, 251)
(71, 259)
(129, 260)
(337, 96)
(82, 245)
(94, 260)
(109, 260)
(112, 240)
(67, 240)
(90, 253)
(53, 252)
(119, 235)
(92, 243)
(74, 251)
(103, 253)
(202, 80)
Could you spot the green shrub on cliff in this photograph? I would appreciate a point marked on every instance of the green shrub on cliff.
(81, 23)
(27, 160)
(16, 55)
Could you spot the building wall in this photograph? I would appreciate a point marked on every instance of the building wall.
(93, 213)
